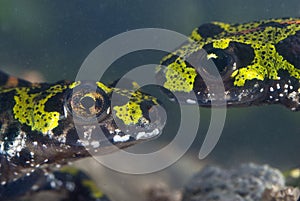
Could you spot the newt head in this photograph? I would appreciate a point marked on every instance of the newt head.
(196, 77)
(258, 63)
(106, 118)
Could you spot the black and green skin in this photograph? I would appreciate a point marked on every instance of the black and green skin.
(259, 63)
(44, 126)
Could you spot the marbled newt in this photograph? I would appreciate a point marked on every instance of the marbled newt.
(259, 63)
(44, 126)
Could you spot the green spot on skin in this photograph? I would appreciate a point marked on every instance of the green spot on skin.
(246, 74)
(105, 88)
(130, 113)
(179, 77)
(74, 84)
(89, 184)
(71, 170)
(30, 108)
(93, 188)
(222, 43)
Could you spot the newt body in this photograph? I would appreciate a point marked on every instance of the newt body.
(258, 62)
(48, 125)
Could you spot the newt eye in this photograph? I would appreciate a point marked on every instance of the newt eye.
(88, 102)
(221, 59)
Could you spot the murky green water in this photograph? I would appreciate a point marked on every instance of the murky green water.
(54, 37)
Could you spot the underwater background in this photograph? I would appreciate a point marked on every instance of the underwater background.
(50, 39)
